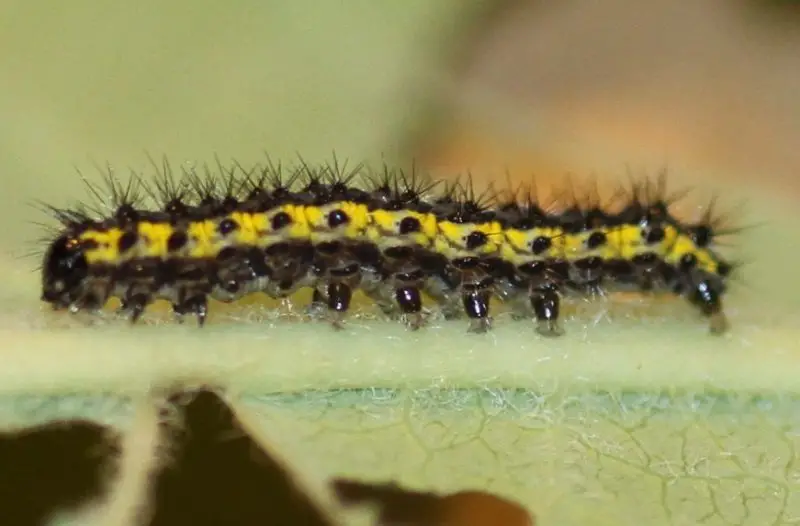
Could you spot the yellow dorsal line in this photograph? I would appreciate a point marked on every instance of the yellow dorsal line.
(382, 227)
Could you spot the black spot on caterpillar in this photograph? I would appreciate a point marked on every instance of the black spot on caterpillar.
(397, 236)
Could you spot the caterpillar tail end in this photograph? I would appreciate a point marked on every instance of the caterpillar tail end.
(718, 323)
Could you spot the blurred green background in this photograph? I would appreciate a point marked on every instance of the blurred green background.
(94, 82)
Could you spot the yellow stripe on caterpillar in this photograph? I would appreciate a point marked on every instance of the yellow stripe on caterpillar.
(460, 240)
(391, 228)
(103, 246)
(332, 221)
(533, 244)
(203, 241)
(591, 243)
(630, 241)
(684, 246)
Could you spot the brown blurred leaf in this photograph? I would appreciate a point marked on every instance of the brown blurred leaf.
(397, 506)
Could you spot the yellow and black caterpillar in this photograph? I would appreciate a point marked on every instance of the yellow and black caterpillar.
(395, 236)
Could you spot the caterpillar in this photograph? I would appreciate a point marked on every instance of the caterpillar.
(396, 235)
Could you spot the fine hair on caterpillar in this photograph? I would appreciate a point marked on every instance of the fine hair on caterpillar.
(407, 242)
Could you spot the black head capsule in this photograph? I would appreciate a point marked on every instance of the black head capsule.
(63, 272)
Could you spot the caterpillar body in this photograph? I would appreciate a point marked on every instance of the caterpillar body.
(398, 237)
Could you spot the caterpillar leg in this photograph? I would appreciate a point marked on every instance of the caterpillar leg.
(338, 297)
(143, 278)
(476, 298)
(410, 301)
(239, 273)
(649, 272)
(706, 295)
(399, 302)
(543, 282)
(134, 304)
(334, 293)
(408, 296)
(546, 305)
(319, 302)
(196, 304)
(587, 276)
(91, 298)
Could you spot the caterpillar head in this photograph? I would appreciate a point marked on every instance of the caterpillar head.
(64, 270)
